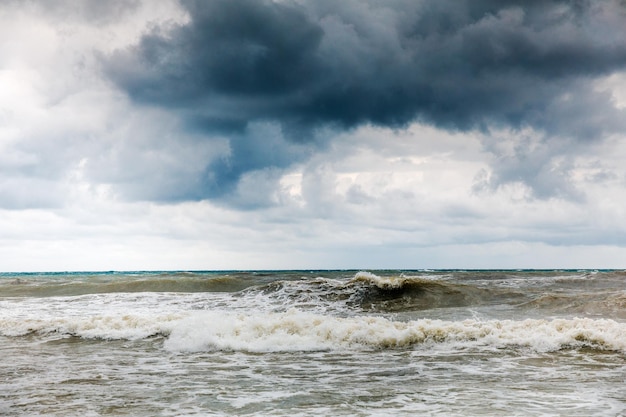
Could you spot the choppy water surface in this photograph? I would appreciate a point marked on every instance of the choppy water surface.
(314, 343)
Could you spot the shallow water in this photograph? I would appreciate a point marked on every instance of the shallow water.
(492, 343)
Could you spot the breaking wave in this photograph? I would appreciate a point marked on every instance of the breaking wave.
(374, 293)
(295, 330)
(105, 327)
(342, 293)
(298, 331)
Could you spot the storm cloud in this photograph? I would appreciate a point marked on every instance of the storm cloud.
(305, 65)
(312, 134)
(455, 64)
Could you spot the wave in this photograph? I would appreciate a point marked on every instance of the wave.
(295, 330)
(340, 293)
(602, 304)
(80, 284)
(298, 331)
(371, 292)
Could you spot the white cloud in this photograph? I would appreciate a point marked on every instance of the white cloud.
(614, 84)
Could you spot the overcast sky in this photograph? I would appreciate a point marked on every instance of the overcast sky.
(259, 134)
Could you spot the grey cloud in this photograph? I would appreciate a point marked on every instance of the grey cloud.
(261, 148)
(33, 169)
(305, 65)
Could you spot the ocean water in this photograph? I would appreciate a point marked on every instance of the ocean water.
(310, 343)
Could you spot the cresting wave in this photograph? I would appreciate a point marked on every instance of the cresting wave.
(387, 283)
(374, 293)
(600, 294)
(300, 331)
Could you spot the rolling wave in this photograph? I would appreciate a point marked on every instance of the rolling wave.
(295, 330)
(599, 304)
(72, 285)
(600, 295)
(298, 331)
(371, 292)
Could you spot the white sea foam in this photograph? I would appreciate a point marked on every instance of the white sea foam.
(126, 326)
(295, 330)
(395, 281)
(299, 331)
(381, 282)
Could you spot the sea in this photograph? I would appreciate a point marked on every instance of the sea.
(314, 343)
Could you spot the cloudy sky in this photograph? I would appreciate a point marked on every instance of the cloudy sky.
(278, 134)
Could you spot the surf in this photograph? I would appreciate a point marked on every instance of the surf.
(295, 330)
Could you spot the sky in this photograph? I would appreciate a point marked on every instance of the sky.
(302, 134)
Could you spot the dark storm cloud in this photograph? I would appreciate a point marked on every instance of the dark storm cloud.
(262, 145)
(458, 65)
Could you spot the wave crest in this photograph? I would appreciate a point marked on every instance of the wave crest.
(295, 330)
(406, 293)
(298, 331)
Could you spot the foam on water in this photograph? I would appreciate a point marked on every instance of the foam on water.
(299, 331)
(128, 326)
(296, 330)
